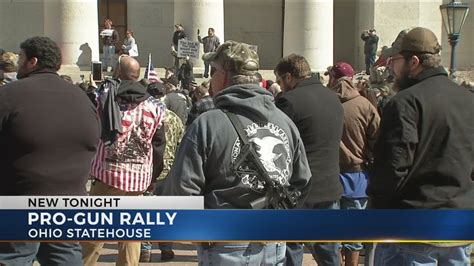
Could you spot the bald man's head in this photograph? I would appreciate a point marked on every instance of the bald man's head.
(128, 69)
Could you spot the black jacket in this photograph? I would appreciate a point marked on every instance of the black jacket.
(425, 152)
(177, 35)
(178, 103)
(318, 114)
(130, 93)
(48, 135)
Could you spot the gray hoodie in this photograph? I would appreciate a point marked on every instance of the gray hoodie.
(203, 163)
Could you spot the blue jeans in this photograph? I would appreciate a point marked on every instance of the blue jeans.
(323, 253)
(326, 254)
(421, 254)
(369, 62)
(163, 246)
(294, 254)
(241, 254)
(47, 253)
(206, 69)
(353, 204)
(108, 56)
(369, 253)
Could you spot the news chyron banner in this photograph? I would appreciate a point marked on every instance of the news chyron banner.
(163, 218)
(93, 218)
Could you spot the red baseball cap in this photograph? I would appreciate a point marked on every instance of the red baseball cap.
(342, 69)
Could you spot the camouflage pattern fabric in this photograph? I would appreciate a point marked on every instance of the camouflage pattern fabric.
(237, 57)
(174, 130)
(379, 75)
(379, 80)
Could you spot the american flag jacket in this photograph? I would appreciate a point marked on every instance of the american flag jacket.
(127, 164)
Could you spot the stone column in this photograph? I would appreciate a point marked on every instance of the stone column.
(74, 26)
(378, 14)
(200, 14)
(308, 31)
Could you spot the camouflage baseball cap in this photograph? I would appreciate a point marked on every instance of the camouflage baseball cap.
(236, 57)
(396, 45)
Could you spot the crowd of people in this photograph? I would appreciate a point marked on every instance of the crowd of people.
(397, 136)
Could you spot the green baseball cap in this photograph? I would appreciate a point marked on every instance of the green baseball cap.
(418, 40)
(236, 57)
(421, 40)
(396, 45)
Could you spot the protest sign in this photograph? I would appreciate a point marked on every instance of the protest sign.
(188, 48)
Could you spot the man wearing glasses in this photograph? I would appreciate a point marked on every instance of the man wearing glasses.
(425, 151)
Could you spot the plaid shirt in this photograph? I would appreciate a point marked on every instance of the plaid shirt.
(127, 164)
(200, 106)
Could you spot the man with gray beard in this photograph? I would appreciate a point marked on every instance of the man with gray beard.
(207, 159)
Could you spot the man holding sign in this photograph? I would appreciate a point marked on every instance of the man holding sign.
(210, 44)
(177, 35)
(188, 48)
(110, 38)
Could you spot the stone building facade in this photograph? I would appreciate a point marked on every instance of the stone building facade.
(324, 31)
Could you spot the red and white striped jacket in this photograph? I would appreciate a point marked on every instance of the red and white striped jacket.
(127, 164)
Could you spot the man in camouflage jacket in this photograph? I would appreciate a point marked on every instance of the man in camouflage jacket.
(174, 130)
